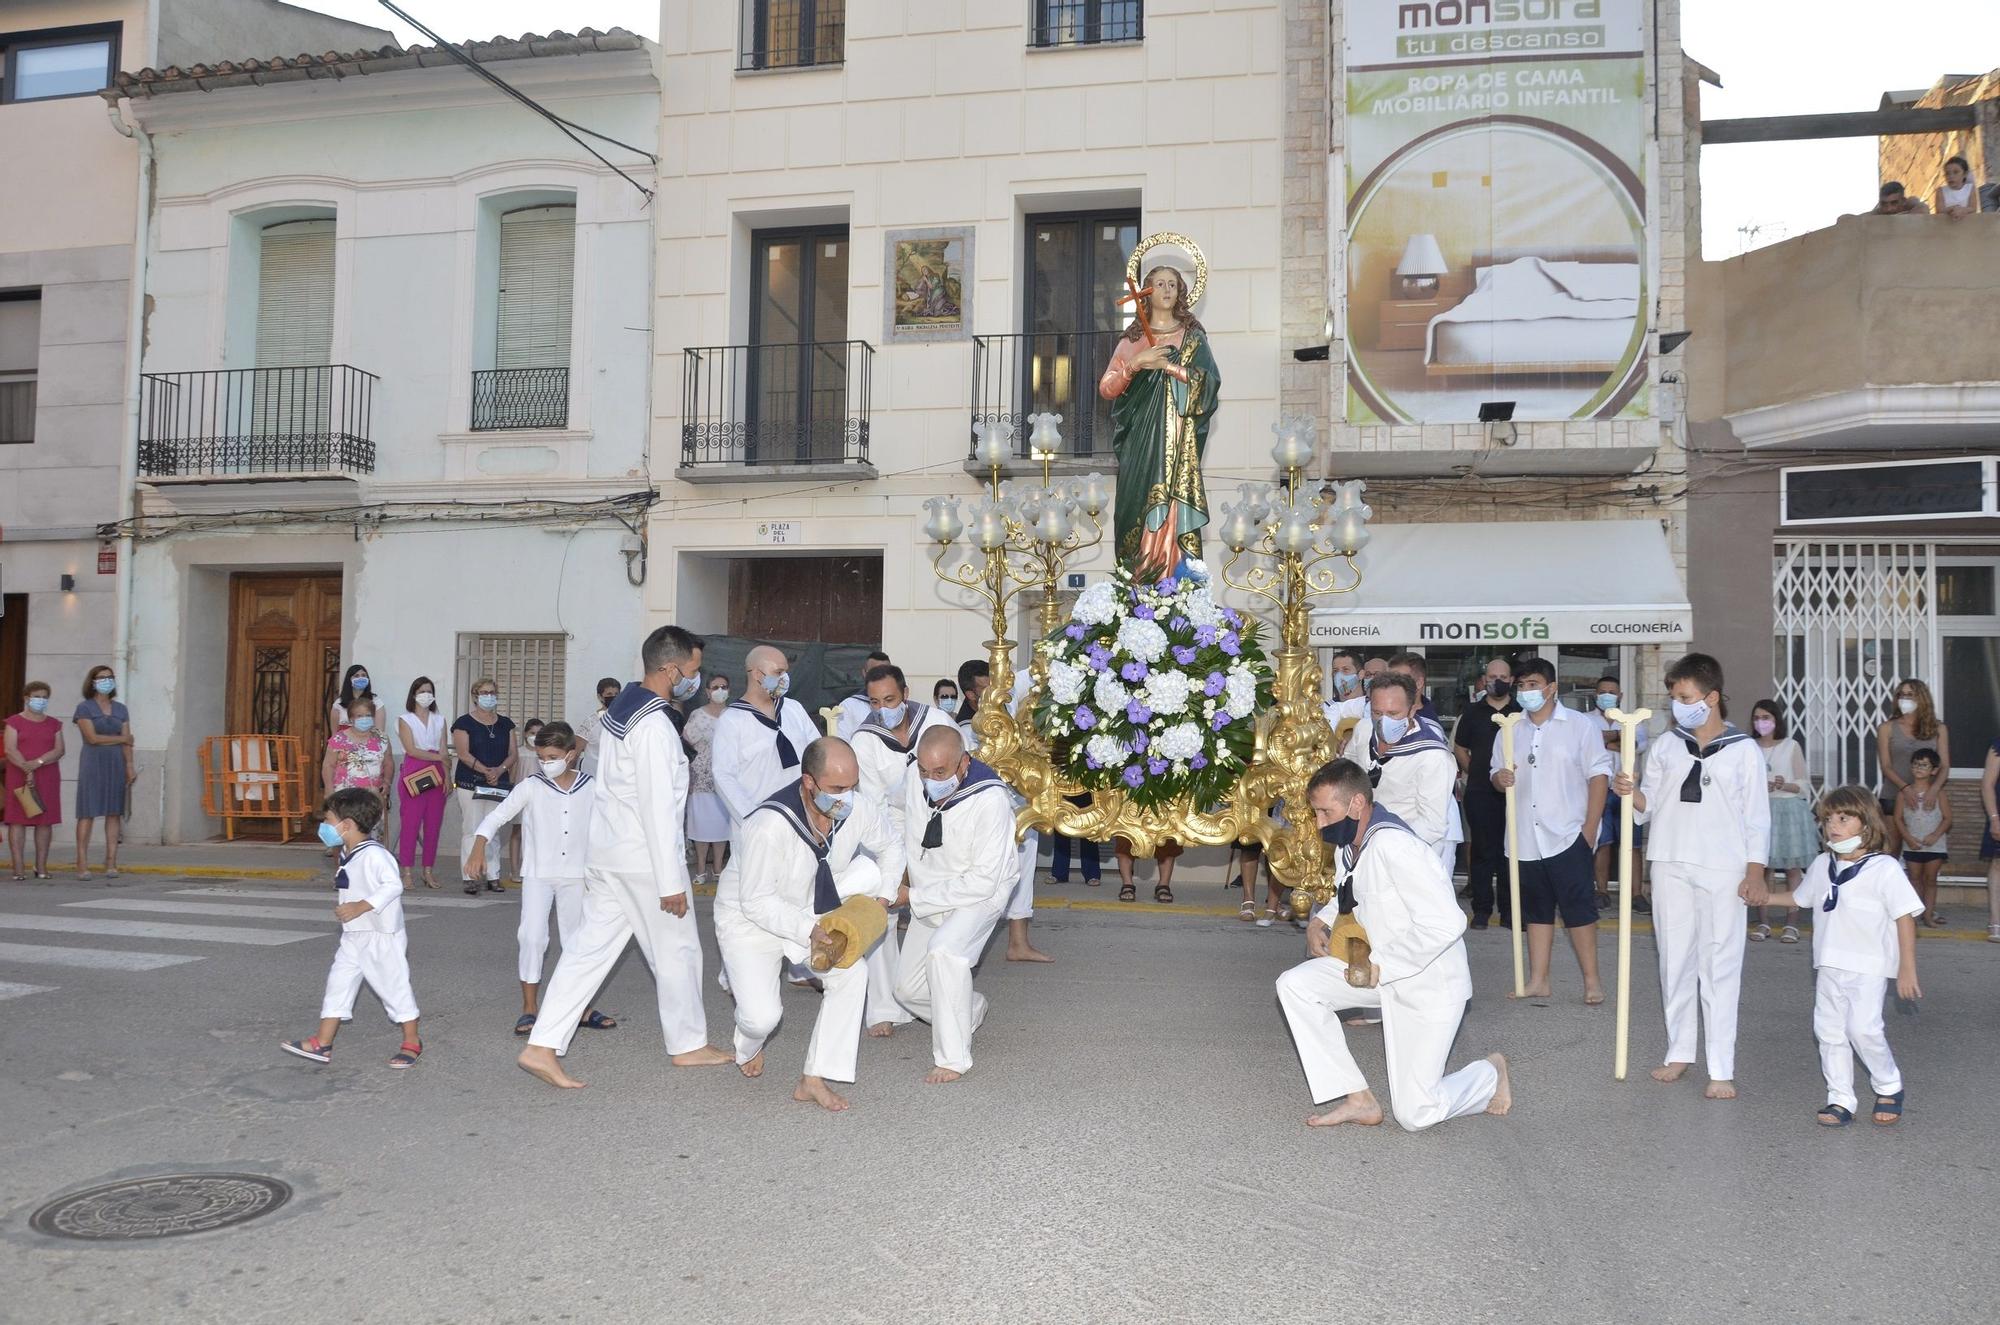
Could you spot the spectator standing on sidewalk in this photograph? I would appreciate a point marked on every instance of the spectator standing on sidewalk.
(1485, 804)
(1795, 834)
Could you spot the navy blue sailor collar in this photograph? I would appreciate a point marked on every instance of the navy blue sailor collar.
(634, 703)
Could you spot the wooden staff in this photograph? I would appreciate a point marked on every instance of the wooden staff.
(1506, 722)
(1628, 724)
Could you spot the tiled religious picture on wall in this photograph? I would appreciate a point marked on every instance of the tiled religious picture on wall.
(928, 284)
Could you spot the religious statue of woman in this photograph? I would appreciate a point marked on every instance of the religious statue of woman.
(1163, 386)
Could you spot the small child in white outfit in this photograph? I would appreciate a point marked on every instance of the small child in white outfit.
(374, 948)
(1864, 932)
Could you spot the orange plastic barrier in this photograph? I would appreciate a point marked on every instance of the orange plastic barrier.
(255, 777)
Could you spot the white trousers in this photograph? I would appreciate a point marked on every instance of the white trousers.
(618, 908)
(755, 959)
(1417, 1032)
(1700, 926)
(1847, 1022)
(1022, 904)
(935, 983)
(884, 965)
(538, 896)
(382, 961)
(470, 812)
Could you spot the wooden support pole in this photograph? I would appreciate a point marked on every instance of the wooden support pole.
(1628, 724)
(1506, 722)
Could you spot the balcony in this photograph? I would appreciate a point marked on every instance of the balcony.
(17, 408)
(1087, 22)
(1875, 333)
(505, 399)
(1045, 372)
(775, 411)
(238, 424)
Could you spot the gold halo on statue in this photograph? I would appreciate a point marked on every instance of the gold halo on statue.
(1169, 237)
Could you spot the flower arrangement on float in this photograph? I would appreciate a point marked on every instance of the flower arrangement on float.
(1154, 688)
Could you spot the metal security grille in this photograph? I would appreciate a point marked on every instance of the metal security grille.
(529, 670)
(1087, 22)
(1851, 619)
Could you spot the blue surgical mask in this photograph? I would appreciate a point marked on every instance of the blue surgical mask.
(686, 686)
(1338, 835)
(360, 684)
(939, 788)
(104, 685)
(775, 685)
(1393, 729)
(895, 714)
(949, 703)
(1531, 701)
(1692, 715)
(488, 701)
(330, 835)
(834, 805)
(38, 704)
(364, 723)
(1607, 702)
(1345, 682)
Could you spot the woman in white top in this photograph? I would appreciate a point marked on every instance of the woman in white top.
(420, 731)
(355, 682)
(707, 817)
(1794, 834)
(1959, 196)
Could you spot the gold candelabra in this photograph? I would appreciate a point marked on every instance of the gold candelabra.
(1297, 547)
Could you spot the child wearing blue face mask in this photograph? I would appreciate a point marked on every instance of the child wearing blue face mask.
(358, 755)
(374, 948)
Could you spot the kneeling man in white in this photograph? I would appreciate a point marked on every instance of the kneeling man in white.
(1403, 898)
(805, 850)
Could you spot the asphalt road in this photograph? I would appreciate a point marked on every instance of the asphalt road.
(1128, 1147)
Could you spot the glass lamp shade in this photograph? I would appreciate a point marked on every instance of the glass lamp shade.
(996, 441)
(989, 526)
(944, 525)
(1295, 534)
(1096, 492)
(1046, 439)
(1296, 442)
(1053, 527)
(1237, 528)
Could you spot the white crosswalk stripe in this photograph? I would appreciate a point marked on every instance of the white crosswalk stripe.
(95, 959)
(410, 898)
(8, 989)
(304, 915)
(152, 929)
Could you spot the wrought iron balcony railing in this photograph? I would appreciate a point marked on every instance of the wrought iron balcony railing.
(792, 34)
(804, 404)
(1088, 22)
(247, 422)
(1044, 372)
(520, 398)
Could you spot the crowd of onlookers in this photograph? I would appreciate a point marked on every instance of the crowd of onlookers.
(1957, 196)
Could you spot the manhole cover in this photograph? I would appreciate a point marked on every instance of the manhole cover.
(160, 1207)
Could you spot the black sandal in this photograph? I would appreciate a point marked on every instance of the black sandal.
(1163, 894)
(1127, 893)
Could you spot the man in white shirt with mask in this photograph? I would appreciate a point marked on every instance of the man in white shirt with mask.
(758, 739)
(1409, 761)
(1559, 775)
(854, 710)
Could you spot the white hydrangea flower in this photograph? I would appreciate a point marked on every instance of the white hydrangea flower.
(1195, 569)
(1106, 750)
(1111, 694)
(1097, 605)
(1179, 743)
(1199, 607)
(1066, 682)
(1141, 639)
(1240, 695)
(1167, 692)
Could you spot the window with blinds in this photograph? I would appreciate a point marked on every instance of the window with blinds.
(295, 294)
(537, 259)
(529, 669)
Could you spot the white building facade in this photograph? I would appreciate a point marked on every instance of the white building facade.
(394, 402)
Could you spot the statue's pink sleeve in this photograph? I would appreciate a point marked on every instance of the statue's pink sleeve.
(1118, 373)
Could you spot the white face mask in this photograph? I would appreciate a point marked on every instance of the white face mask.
(1691, 716)
(1845, 846)
(553, 768)
(425, 699)
(719, 695)
(1906, 706)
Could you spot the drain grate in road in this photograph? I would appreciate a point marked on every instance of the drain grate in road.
(163, 1207)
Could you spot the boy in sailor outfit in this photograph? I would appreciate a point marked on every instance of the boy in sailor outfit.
(1403, 898)
(958, 832)
(636, 880)
(802, 855)
(885, 747)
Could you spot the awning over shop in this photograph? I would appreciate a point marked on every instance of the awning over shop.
(1551, 581)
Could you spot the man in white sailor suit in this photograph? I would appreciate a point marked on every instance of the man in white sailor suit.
(885, 746)
(958, 833)
(854, 710)
(758, 739)
(1408, 758)
(806, 849)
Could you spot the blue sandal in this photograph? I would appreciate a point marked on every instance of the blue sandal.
(406, 1056)
(1835, 1115)
(597, 1021)
(1890, 1105)
(525, 1024)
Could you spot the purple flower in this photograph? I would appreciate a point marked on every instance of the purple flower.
(1229, 614)
(1221, 719)
(1137, 745)
(1084, 718)
(1133, 671)
(1214, 685)
(1179, 623)
(1205, 636)
(1133, 777)
(1231, 645)
(1185, 655)
(1090, 761)
(1143, 612)
(1199, 761)
(1138, 714)
(1100, 658)
(1075, 630)
(1156, 766)
(1170, 585)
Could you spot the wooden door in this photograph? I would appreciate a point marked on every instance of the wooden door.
(825, 600)
(14, 657)
(284, 661)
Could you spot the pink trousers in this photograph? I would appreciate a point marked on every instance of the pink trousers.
(421, 813)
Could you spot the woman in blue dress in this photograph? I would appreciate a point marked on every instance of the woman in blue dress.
(104, 774)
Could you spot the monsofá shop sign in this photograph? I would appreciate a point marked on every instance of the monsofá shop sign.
(1608, 625)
